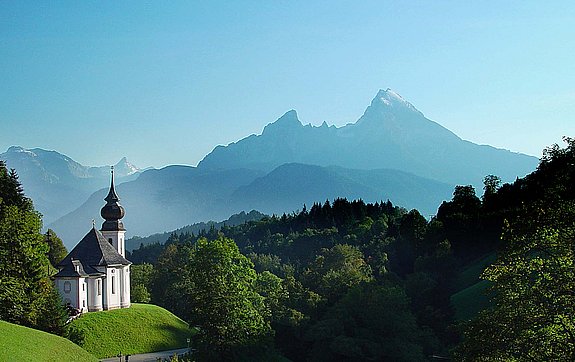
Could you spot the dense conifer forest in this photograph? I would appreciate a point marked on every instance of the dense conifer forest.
(361, 281)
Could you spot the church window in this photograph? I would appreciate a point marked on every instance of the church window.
(110, 241)
(113, 285)
(67, 287)
(84, 303)
(99, 287)
(83, 287)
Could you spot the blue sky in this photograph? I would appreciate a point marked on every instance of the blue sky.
(165, 82)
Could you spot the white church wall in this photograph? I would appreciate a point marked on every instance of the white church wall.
(125, 300)
(82, 294)
(112, 288)
(68, 288)
(95, 294)
(117, 240)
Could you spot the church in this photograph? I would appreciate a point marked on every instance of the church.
(95, 275)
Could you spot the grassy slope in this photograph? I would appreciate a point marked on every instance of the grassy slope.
(141, 328)
(471, 296)
(19, 343)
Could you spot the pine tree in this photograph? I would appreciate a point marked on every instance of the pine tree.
(27, 295)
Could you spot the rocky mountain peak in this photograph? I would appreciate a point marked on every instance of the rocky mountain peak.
(289, 121)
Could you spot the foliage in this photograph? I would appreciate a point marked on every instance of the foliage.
(533, 313)
(27, 295)
(25, 344)
(336, 270)
(213, 286)
(142, 328)
(533, 317)
(140, 279)
(56, 249)
(370, 323)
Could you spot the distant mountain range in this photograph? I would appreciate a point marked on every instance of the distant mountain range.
(391, 134)
(168, 198)
(56, 183)
(234, 220)
(392, 152)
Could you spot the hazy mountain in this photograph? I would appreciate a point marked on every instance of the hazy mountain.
(290, 186)
(168, 198)
(235, 219)
(391, 134)
(392, 152)
(161, 200)
(56, 183)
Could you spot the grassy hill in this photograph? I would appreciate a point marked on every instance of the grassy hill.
(141, 328)
(19, 343)
(471, 296)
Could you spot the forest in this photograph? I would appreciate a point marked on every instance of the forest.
(344, 279)
(349, 280)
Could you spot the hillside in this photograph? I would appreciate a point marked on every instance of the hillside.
(141, 328)
(391, 134)
(19, 343)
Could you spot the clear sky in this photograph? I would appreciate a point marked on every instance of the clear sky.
(165, 82)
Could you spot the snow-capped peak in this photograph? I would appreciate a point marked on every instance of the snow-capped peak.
(389, 98)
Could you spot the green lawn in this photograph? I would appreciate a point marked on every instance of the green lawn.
(141, 328)
(19, 343)
(471, 296)
(470, 275)
(470, 301)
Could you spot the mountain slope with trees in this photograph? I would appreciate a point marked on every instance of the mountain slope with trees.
(320, 270)
(168, 198)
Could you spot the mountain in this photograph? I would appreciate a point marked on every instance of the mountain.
(160, 200)
(168, 198)
(290, 186)
(235, 219)
(391, 134)
(56, 183)
(392, 152)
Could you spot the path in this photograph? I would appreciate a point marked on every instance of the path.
(148, 357)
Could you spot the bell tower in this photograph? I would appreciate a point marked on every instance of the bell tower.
(113, 228)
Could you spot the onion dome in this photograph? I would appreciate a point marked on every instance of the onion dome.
(112, 212)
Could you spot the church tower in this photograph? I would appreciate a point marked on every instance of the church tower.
(113, 228)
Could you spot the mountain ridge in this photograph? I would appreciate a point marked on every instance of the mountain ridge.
(58, 184)
(391, 133)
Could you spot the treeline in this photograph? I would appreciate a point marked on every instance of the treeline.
(344, 279)
(361, 281)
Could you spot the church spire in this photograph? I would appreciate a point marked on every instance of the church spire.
(112, 212)
(112, 196)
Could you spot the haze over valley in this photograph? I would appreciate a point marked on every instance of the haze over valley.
(392, 152)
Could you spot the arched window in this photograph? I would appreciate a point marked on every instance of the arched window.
(67, 287)
(99, 287)
(113, 285)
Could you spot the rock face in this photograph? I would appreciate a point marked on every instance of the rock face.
(391, 134)
(56, 183)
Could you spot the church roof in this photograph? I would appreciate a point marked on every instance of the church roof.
(76, 269)
(93, 250)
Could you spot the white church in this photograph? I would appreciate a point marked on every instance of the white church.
(95, 275)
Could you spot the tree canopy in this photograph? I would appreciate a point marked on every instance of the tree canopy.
(27, 295)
